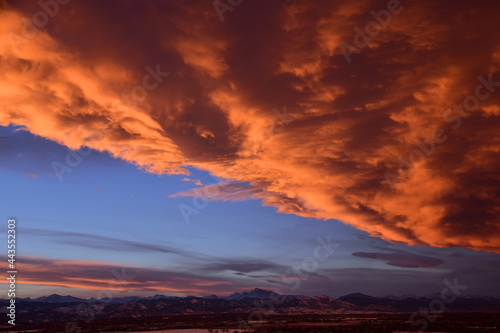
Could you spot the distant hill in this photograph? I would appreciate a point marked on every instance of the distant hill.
(54, 298)
(61, 308)
(258, 293)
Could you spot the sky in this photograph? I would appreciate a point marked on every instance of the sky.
(211, 147)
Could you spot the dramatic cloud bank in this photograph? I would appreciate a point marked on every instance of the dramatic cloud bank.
(391, 127)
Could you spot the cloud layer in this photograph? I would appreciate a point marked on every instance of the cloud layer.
(223, 277)
(109, 278)
(402, 259)
(267, 98)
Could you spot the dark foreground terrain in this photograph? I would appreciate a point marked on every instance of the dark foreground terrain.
(372, 322)
(258, 311)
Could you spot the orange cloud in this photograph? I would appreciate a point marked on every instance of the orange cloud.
(114, 277)
(352, 123)
(50, 92)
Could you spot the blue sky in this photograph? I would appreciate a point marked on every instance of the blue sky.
(110, 211)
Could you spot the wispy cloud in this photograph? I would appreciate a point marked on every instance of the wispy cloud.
(402, 259)
(243, 266)
(107, 243)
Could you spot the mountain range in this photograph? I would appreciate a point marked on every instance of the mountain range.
(256, 293)
(59, 308)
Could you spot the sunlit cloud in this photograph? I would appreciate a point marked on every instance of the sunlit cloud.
(352, 125)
